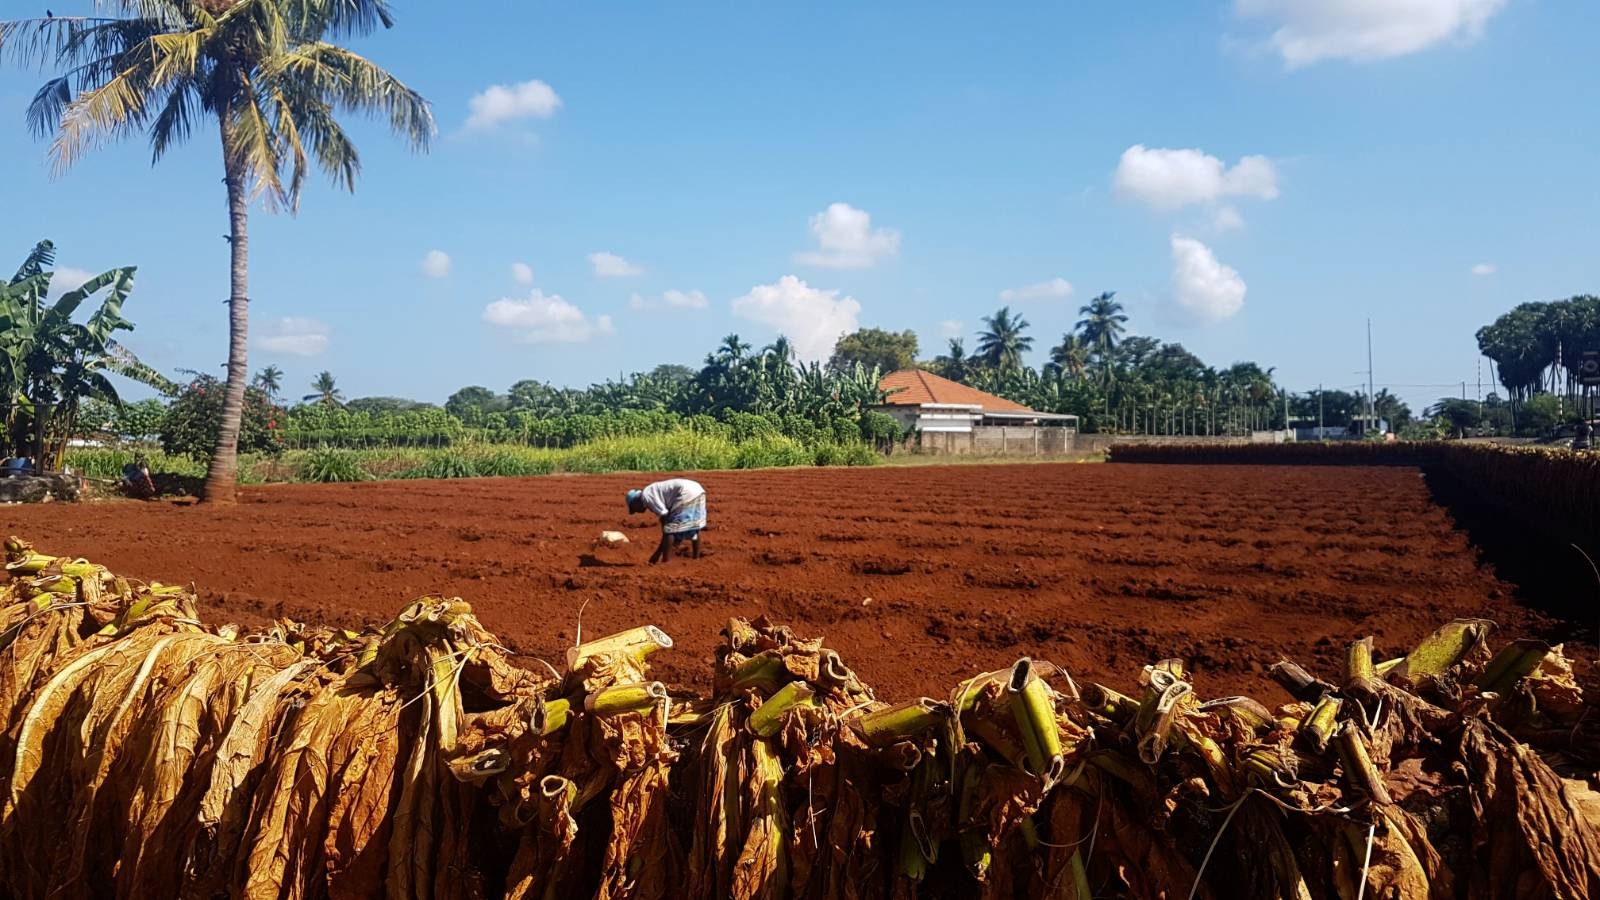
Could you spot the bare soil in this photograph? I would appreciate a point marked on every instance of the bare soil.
(920, 577)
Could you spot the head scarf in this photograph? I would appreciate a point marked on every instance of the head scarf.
(632, 496)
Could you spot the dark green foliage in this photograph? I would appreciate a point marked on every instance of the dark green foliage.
(874, 348)
(194, 418)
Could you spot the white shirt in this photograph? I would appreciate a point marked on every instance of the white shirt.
(665, 496)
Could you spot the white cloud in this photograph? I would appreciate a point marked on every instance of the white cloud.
(295, 337)
(1227, 219)
(847, 240)
(950, 328)
(670, 300)
(1482, 269)
(504, 103)
(1312, 30)
(1054, 289)
(1172, 179)
(813, 319)
(67, 279)
(542, 318)
(1204, 286)
(522, 273)
(436, 264)
(610, 265)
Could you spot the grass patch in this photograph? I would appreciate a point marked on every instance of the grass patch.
(328, 466)
(682, 450)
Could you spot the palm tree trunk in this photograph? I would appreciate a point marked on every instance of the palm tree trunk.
(222, 474)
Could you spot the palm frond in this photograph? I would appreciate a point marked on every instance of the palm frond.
(175, 122)
(42, 257)
(255, 148)
(352, 82)
(35, 43)
(116, 107)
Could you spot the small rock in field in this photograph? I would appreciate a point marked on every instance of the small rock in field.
(866, 601)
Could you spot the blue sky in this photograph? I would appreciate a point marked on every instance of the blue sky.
(1254, 179)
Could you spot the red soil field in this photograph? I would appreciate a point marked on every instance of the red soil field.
(919, 577)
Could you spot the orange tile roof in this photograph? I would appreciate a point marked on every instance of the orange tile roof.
(914, 387)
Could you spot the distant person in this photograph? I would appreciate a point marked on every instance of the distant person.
(136, 479)
(680, 504)
(1583, 435)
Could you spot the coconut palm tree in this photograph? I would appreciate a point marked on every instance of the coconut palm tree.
(954, 364)
(1002, 345)
(325, 391)
(264, 71)
(1101, 327)
(1071, 356)
(270, 380)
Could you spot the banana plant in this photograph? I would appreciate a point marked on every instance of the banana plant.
(49, 363)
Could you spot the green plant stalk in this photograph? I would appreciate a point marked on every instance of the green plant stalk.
(1358, 767)
(972, 689)
(1036, 718)
(763, 670)
(34, 563)
(1360, 675)
(769, 775)
(550, 716)
(1119, 708)
(1030, 832)
(900, 721)
(1437, 652)
(1319, 727)
(625, 698)
(1245, 709)
(638, 642)
(1080, 877)
(766, 720)
(1514, 662)
(975, 851)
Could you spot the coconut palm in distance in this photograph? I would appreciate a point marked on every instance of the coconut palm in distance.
(264, 71)
(1101, 328)
(325, 391)
(270, 380)
(1002, 345)
(1071, 356)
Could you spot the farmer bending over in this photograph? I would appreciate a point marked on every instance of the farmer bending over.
(681, 506)
(136, 479)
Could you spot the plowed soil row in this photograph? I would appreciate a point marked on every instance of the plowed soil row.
(918, 576)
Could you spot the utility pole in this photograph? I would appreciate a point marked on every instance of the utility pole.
(1480, 392)
(1321, 434)
(1372, 399)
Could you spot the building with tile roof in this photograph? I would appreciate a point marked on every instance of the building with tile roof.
(927, 402)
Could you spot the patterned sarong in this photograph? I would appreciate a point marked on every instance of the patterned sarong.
(686, 519)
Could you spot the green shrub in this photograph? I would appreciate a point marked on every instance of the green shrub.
(861, 455)
(193, 420)
(443, 464)
(328, 465)
(828, 455)
(512, 462)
